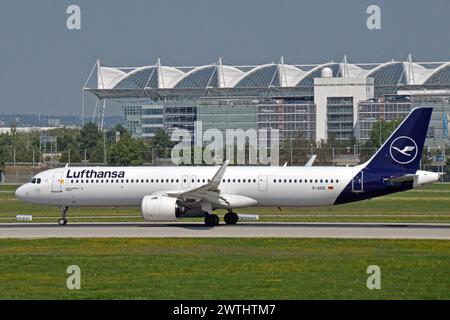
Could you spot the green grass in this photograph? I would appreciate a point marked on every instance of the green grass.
(428, 204)
(224, 268)
(8, 187)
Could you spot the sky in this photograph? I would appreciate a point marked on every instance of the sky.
(44, 65)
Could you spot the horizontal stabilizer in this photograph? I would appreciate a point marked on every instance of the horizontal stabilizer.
(403, 178)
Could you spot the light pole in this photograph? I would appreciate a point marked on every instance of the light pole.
(104, 147)
(444, 121)
(13, 151)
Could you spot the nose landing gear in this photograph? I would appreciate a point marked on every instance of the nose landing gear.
(63, 220)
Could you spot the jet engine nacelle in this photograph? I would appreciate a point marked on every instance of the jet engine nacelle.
(160, 208)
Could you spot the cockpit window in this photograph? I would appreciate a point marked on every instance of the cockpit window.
(38, 181)
(33, 180)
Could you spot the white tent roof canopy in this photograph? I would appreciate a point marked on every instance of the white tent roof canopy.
(219, 75)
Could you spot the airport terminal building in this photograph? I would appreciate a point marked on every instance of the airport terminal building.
(320, 101)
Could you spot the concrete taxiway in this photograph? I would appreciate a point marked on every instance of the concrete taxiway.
(248, 229)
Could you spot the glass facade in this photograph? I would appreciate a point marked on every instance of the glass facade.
(370, 112)
(132, 115)
(228, 114)
(290, 117)
(340, 118)
(388, 78)
(440, 77)
(263, 77)
(180, 114)
(199, 78)
(436, 136)
(308, 81)
(140, 78)
(143, 120)
(398, 107)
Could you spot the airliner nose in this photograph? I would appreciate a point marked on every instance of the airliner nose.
(20, 193)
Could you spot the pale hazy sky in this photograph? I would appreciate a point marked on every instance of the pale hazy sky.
(43, 65)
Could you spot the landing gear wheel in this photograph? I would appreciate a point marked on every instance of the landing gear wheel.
(63, 220)
(216, 219)
(231, 218)
(211, 220)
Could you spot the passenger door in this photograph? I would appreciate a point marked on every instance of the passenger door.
(57, 181)
(262, 183)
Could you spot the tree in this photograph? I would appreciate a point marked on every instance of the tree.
(161, 140)
(98, 153)
(381, 130)
(3, 157)
(111, 134)
(161, 143)
(295, 147)
(129, 151)
(88, 138)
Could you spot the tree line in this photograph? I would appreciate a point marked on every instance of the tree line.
(118, 147)
(115, 146)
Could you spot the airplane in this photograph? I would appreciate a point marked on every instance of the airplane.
(169, 193)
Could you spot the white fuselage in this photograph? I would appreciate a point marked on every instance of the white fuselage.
(266, 186)
(240, 186)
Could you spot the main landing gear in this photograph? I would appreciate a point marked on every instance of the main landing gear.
(231, 217)
(63, 220)
(212, 220)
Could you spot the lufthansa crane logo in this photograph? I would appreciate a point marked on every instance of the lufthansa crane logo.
(403, 150)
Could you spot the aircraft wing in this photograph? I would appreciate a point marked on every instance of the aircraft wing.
(311, 160)
(209, 192)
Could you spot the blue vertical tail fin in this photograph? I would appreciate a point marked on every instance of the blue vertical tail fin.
(403, 149)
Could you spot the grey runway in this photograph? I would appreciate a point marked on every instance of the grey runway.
(250, 229)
